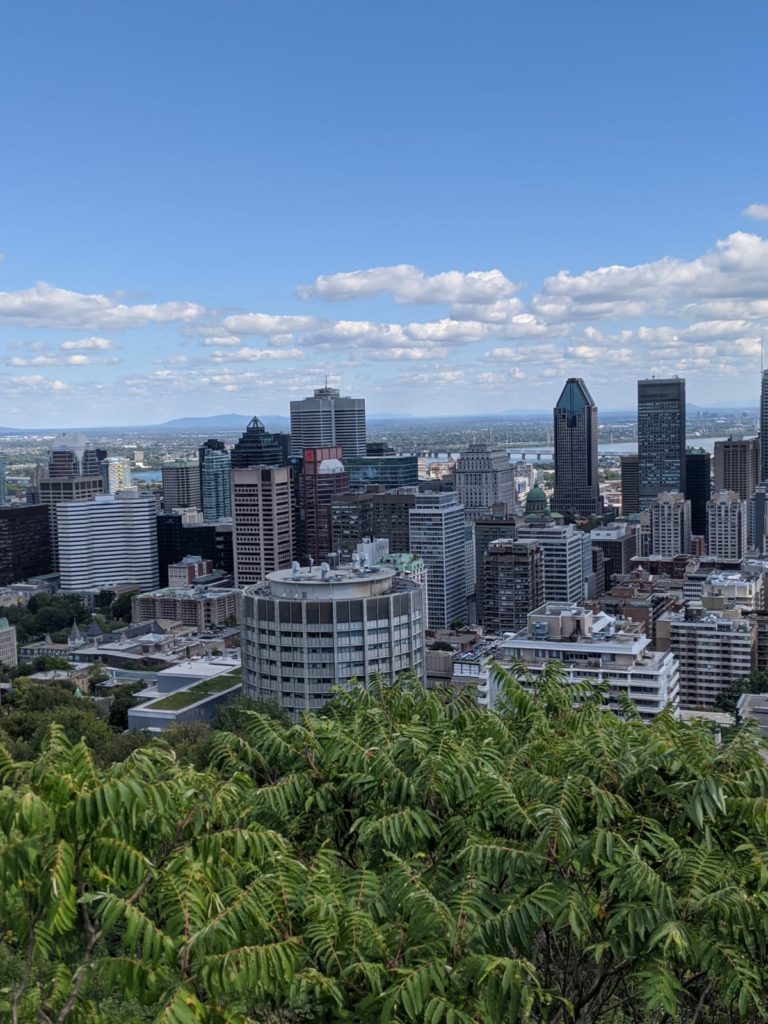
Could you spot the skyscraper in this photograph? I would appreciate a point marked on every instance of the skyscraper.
(630, 484)
(322, 479)
(727, 526)
(262, 522)
(484, 477)
(660, 437)
(514, 584)
(215, 474)
(698, 487)
(25, 542)
(108, 539)
(670, 524)
(116, 472)
(181, 486)
(577, 491)
(436, 524)
(3, 470)
(764, 427)
(328, 419)
(73, 473)
(737, 465)
(257, 447)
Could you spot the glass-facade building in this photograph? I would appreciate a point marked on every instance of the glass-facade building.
(660, 437)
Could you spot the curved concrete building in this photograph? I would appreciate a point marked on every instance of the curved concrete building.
(305, 632)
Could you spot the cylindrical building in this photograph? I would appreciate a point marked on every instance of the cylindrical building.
(305, 631)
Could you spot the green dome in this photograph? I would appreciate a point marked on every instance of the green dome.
(536, 501)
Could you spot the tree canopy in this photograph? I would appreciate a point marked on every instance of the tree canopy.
(403, 857)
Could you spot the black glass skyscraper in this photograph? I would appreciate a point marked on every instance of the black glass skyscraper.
(257, 447)
(577, 491)
(660, 437)
(698, 487)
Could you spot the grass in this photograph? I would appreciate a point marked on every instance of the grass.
(217, 684)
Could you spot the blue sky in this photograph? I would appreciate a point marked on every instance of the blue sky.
(443, 205)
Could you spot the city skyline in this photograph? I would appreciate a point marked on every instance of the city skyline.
(221, 232)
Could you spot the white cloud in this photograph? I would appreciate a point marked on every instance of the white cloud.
(735, 271)
(58, 359)
(85, 344)
(44, 305)
(265, 324)
(409, 285)
(758, 211)
(255, 355)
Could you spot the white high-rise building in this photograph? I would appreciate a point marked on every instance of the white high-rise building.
(727, 526)
(116, 472)
(107, 540)
(328, 419)
(436, 526)
(670, 524)
(484, 477)
(563, 551)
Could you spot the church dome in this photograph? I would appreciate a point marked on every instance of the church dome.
(536, 501)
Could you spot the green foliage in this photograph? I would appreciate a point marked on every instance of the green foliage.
(405, 857)
(44, 614)
(729, 698)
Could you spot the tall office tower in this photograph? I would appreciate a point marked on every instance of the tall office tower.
(107, 540)
(670, 524)
(3, 485)
(630, 484)
(257, 447)
(116, 473)
(764, 427)
(484, 477)
(73, 455)
(436, 526)
(216, 486)
(328, 419)
(757, 521)
(262, 522)
(372, 514)
(498, 526)
(563, 553)
(305, 632)
(698, 487)
(737, 465)
(514, 584)
(727, 526)
(181, 486)
(213, 444)
(388, 471)
(73, 473)
(323, 478)
(25, 542)
(577, 491)
(180, 534)
(618, 544)
(660, 437)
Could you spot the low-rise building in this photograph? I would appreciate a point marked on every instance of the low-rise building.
(192, 691)
(597, 648)
(200, 607)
